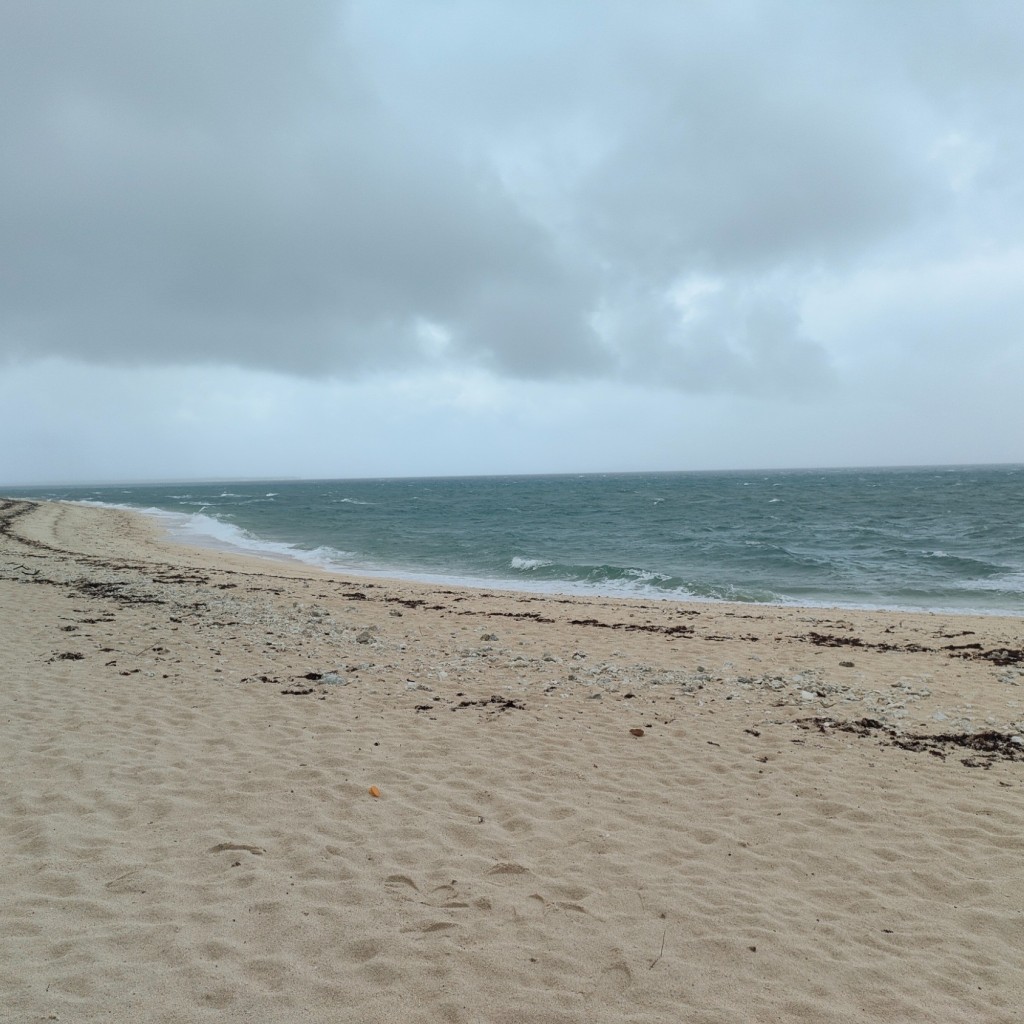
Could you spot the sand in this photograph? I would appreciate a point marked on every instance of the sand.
(187, 831)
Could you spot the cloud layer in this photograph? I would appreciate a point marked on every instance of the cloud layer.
(684, 195)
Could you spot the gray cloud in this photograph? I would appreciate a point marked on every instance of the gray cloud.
(304, 187)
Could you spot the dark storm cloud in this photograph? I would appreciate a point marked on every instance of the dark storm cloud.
(305, 186)
(209, 181)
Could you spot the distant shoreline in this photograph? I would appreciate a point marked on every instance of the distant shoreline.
(211, 480)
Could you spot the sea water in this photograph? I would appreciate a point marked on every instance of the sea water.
(947, 539)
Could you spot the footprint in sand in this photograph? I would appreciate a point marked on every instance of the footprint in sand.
(363, 950)
(398, 884)
(508, 868)
(444, 897)
(613, 980)
(431, 928)
(257, 851)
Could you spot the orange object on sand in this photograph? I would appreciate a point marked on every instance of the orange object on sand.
(374, 791)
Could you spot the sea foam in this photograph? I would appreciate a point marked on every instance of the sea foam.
(526, 564)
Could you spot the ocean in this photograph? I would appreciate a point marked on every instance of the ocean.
(941, 539)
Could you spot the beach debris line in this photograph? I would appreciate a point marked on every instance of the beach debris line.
(113, 591)
(533, 616)
(328, 678)
(989, 745)
(830, 640)
(998, 656)
(494, 703)
(635, 627)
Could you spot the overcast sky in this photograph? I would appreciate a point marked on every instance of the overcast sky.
(404, 237)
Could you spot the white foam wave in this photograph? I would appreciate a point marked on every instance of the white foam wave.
(1011, 583)
(647, 576)
(200, 530)
(526, 564)
(208, 531)
(127, 508)
(199, 527)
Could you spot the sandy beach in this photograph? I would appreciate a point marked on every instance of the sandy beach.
(244, 790)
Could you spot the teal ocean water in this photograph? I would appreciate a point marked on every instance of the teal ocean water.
(927, 538)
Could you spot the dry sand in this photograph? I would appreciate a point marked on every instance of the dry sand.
(189, 740)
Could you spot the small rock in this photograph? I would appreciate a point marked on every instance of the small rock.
(940, 717)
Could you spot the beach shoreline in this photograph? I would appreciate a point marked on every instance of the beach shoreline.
(590, 809)
(263, 551)
(909, 540)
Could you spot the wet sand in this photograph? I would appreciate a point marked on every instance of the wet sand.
(588, 810)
